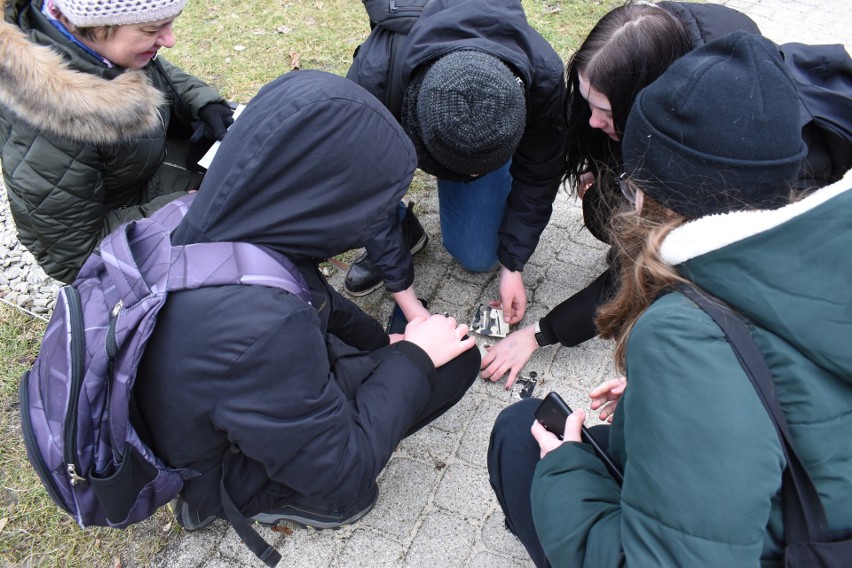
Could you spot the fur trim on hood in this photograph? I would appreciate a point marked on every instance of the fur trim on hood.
(41, 89)
(712, 232)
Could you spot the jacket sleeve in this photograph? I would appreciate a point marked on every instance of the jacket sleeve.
(702, 462)
(60, 212)
(353, 326)
(573, 321)
(389, 251)
(325, 430)
(194, 92)
(536, 170)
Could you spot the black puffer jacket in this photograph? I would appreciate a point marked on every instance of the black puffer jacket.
(83, 146)
(292, 385)
(498, 28)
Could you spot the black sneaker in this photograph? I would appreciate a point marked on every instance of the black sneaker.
(363, 276)
(309, 513)
(188, 516)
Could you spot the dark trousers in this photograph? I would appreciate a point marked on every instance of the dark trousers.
(451, 384)
(513, 455)
(454, 378)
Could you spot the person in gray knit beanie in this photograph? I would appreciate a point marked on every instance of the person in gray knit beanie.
(718, 131)
(466, 114)
(480, 94)
(92, 13)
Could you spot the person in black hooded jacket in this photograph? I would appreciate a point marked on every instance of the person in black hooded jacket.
(313, 398)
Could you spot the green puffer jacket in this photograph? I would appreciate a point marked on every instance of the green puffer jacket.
(83, 146)
(702, 462)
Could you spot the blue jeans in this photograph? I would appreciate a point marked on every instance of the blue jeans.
(471, 213)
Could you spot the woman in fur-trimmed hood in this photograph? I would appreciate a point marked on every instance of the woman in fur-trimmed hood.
(83, 125)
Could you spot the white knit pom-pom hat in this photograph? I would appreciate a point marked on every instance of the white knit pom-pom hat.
(90, 13)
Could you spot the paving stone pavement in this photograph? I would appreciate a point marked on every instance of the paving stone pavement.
(436, 507)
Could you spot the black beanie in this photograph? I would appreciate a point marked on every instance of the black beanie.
(465, 113)
(718, 131)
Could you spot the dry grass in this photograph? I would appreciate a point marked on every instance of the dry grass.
(34, 531)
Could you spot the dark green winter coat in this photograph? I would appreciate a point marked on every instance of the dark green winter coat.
(83, 147)
(702, 462)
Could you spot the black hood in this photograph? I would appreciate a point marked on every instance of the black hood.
(311, 167)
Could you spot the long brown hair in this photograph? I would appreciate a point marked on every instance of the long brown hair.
(630, 47)
(642, 275)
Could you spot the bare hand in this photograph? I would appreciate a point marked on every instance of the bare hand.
(409, 304)
(509, 355)
(440, 337)
(513, 296)
(548, 441)
(395, 337)
(606, 396)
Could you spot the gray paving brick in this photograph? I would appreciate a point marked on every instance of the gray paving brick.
(444, 540)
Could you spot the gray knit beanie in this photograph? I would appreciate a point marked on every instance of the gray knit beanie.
(465, 113)
(92, 13)
(718, 131)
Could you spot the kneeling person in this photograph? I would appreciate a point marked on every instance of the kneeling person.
(307, 401)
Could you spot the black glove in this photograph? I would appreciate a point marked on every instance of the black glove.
(213, 122)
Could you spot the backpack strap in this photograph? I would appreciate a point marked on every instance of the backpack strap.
(242, 526)
(141, 260)
(218, 264)
(804, 515)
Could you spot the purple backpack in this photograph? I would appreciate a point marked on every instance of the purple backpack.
(76, 400)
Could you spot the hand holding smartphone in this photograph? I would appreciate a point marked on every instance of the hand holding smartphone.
(552, 413)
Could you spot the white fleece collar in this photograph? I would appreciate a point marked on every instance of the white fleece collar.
(706, 234)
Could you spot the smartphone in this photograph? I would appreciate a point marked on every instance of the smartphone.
(552, 413)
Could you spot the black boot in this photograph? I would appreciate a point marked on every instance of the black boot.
(363, 276)
(188, 516)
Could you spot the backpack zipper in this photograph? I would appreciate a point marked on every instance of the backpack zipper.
(35, 456)
(393, 8)
(112, 350)
(111, 345)
(78, 351)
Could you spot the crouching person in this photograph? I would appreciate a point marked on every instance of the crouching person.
(303, 402)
